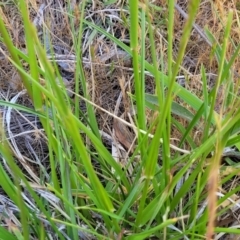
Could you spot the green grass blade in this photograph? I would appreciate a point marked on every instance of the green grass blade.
(10, 46)
(5, 234)
(37, 97)
(148, 233)
(133, 6)
(221, 72)
(80, 77)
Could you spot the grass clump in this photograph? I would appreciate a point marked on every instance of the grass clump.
(107, 135)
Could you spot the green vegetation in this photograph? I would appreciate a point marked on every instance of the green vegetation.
(175, 189)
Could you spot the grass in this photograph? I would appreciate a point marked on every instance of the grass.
(164, 188)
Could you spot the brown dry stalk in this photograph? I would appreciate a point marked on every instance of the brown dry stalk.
(212, 206)
(213, 180)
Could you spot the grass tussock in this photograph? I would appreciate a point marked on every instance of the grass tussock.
(120, 119)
